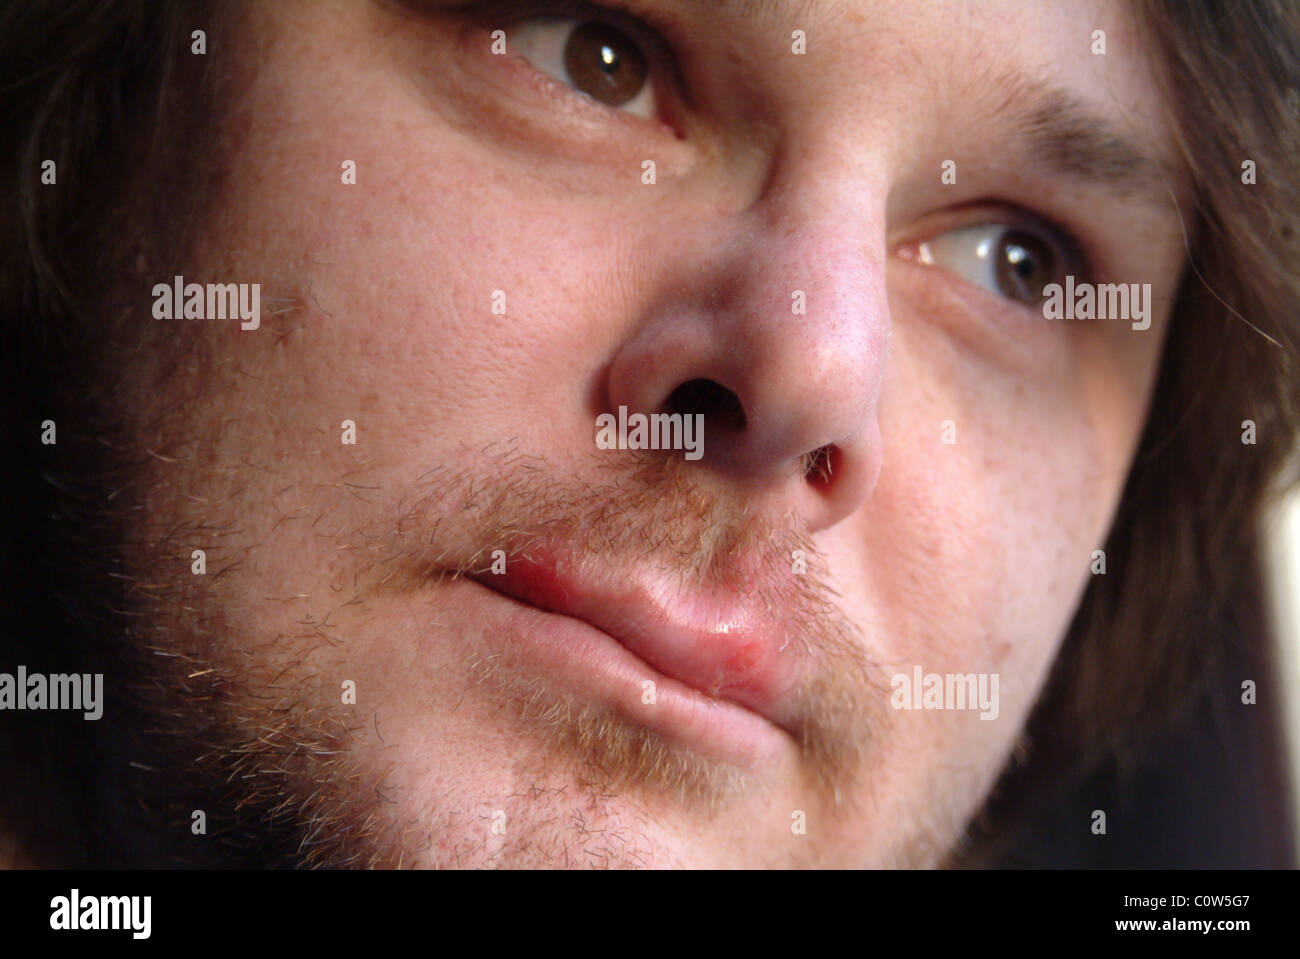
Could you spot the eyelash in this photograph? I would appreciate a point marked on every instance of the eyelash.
(646, 27)
(618, 13)
(1009, 215)
(637, 24)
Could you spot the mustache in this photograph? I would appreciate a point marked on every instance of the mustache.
(637, 508)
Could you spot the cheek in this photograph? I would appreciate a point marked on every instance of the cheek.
(976, 546)
(445, 320)
(972, 555)
(431, 283)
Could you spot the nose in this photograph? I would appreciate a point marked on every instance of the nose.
(780, 342)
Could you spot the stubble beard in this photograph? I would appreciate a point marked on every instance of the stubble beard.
(232, 730)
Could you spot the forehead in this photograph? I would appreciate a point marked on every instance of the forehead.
(1069, 89)
(945, 52)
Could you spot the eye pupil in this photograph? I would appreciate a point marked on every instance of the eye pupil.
(1025, 265)
(604, 63)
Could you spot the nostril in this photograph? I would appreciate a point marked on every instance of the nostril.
(819, 465)
(721, 407)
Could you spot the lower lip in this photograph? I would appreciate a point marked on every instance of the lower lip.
(587, 662)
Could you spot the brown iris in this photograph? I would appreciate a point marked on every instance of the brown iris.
(1025, 265)
(604, 63)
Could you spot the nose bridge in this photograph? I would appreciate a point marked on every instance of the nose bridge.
(807, 311)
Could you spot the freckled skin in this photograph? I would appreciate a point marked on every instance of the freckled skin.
(793, 173)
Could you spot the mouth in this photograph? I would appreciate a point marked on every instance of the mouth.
(725, 646)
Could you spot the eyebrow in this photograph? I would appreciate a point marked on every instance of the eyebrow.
(1063, 134)
(1068, 137)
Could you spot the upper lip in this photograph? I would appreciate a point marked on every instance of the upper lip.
(719, 642)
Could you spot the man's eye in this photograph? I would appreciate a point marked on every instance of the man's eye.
(1009, 261)
(592, 57)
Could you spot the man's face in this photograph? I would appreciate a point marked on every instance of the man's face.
(670, 660)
